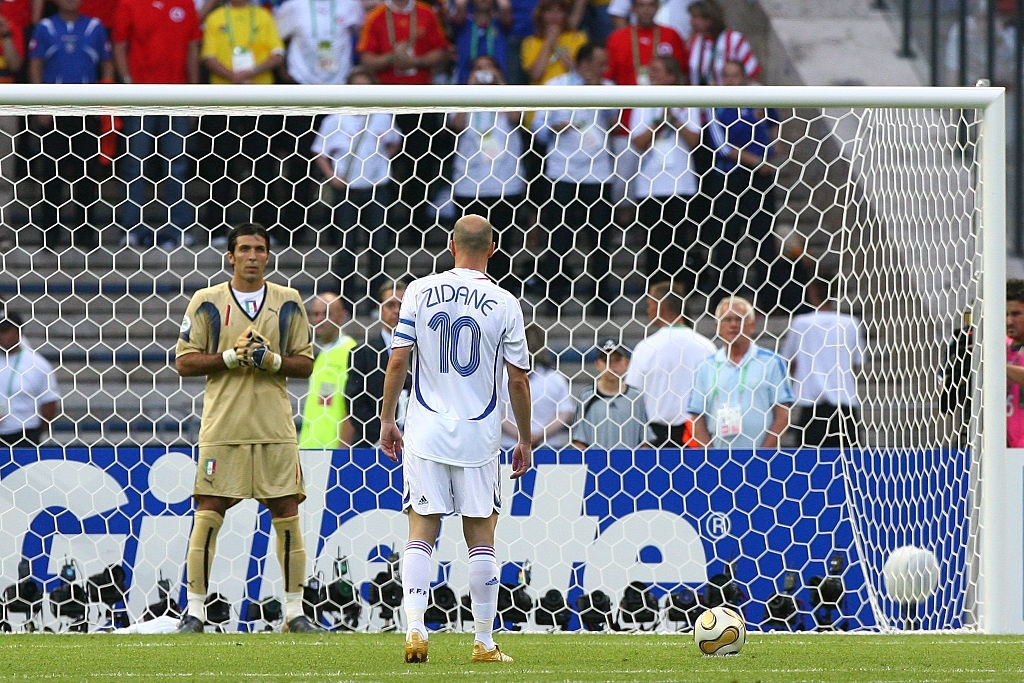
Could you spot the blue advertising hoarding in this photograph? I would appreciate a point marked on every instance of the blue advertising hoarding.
(585, 521)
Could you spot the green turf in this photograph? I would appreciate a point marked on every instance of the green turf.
(834, 658)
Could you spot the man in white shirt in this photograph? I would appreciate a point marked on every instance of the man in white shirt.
(463, 333)
(825, 350)
(663, 365)
(29, 397)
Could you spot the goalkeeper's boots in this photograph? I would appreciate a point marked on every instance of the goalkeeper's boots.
(415, 648)
(190, 624)
(482, 654)
(301, 624)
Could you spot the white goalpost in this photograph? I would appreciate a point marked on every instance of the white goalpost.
(912, 522)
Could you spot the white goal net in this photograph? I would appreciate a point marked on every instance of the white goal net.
(861, 234)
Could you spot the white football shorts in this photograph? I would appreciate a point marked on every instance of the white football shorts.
(435, 488)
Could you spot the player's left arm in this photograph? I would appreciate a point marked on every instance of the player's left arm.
(297, 349)
(519, 398)
(296, 366)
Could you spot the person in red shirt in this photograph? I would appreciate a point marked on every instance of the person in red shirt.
(386, 49)
(403, 44)
(156, 42)
(631, 48)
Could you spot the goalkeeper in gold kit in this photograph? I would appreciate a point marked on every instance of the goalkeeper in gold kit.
(247, 336)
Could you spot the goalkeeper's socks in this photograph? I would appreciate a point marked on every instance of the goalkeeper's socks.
(292, 605)
(291, 553)
(416, 566)
(196, 606)
(483, 591)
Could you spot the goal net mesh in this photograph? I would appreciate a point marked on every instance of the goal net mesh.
(111, 223)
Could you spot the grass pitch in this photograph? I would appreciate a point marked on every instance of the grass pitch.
(539, 657)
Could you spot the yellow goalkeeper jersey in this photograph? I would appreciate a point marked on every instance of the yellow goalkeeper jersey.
(245, 405)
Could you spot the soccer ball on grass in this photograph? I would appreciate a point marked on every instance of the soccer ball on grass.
(720, 631)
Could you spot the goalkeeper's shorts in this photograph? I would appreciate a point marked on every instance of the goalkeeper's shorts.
(262, 471)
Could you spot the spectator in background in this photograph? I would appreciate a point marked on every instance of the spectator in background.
(712, 45)
(320, 37)
(12, 58)
(553, 407)
(663, 365)
(740, 187)
(630, 51)
(578, 212)
(551, 50)
(68, 48)
(364, 388)
(486, 176)
(741, 395)
(665, 185)
(631, 48)
(325, 423)
(825, 350)
(156, 43)
(403, 43)
(1014, 363)
(241, 45)
(611, 414)
(354, 152)
(29, 395)
(480, 32)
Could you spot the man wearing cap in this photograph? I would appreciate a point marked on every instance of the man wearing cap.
(663, 366)
(610, 414)
(29, 396)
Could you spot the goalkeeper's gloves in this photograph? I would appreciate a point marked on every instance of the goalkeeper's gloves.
(233, 356)
(253, 350)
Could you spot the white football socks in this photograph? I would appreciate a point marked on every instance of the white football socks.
(483, 591)
(416, 566)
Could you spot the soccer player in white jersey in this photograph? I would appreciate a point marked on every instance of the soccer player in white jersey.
(463, 334)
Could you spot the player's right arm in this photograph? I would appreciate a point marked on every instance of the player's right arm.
(391, 441)
(519, 398)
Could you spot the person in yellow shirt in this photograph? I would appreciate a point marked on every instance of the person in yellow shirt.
(325, 423)
(551, 50)
(241, 45)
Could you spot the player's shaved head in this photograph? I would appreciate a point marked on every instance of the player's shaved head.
(473, 234)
